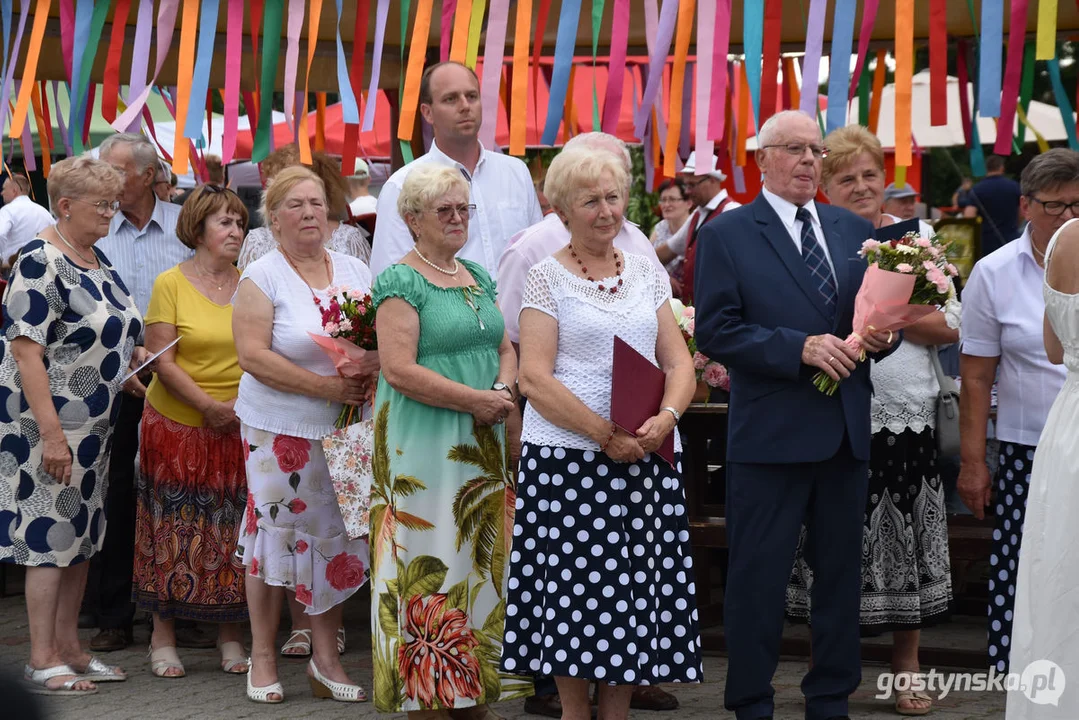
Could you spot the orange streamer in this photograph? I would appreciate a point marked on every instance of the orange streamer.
(743, 117)
(681, 52)
(519, 89)
(184, 75)
(312, 39)
(416, 54)
(461, 19)
(569, 115)
(878, 89)
(904, 74)
(792, 82)
(320, 121)
(43, 131)
(29, 76)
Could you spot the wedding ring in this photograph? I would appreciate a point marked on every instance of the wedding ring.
(831, 359)
(889, 337)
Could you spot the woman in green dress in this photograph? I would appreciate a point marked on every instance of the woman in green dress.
(443, 497)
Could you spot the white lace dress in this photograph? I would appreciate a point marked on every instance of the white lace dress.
(1046, 627)
(906, 569)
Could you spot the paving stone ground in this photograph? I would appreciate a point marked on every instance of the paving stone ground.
(207, 693)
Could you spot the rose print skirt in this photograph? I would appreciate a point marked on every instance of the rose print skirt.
(293, 535)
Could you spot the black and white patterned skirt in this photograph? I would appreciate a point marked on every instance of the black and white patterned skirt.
(601, 573)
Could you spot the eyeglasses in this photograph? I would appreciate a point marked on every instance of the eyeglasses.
(669, 200)
(798, 149)
(1055, 208)
(103, 207)
(690, 184)
(446, 213)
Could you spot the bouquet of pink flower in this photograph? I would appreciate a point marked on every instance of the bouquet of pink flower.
(907, 279)
(706, 369)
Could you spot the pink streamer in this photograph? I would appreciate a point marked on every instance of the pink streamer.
(381, 16)
(494, 52)
(869, 15)
(233, 50)
(292, 59)
(811, 65)
(717, 115)
(166, 23)
(65, 137)
(659, 51)
(140, 54)
(706, 19)
(449, 8)
(616, 70)
(67, 35)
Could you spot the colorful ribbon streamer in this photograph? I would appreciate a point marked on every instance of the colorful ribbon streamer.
(166, 23)
(717, 115)
(462, 20)
(1026, 88)
(563, 61)
(5, 94)
(869, 17)
(839, 71)
(449, 10)
(706, 21)
(811, 64)
(359, 49)
(293, 27)
(417, 51)
(84, 10)
(381, 16)
(658, 50)
(1043, 145)
(904, 74)
(33, 53)
(312, 41)
(597, 19)
(200, 83)
(773, 26)
(964, 101)
(1062, 102)
(1047, 30)
(1012, 76)
(989, 63)
(878, 91)
(753, 39)
(350, 111)
(6, 14)
(233, 57)
(184, 78)
(110, 90)
(519, 90)
(272, 19)
(616, 68)
(140, 55)
(938, 62)
(475, 26)
(494, 52)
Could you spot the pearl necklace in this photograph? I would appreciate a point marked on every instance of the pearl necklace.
(74, 249)
(444, 271)
(617, 270)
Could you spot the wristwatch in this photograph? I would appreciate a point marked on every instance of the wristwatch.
(500, 386)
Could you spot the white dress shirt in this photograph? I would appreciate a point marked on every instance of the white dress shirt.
(20, 222)
(139, 256)
(787, 211)
(702, 213)
(505, 200)
(542, 240)
(363, 205)
(1003, 310)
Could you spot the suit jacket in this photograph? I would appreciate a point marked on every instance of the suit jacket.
(755, 307)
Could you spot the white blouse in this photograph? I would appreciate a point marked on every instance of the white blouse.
(346, 239)
(588, 321)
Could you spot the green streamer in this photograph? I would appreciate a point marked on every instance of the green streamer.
(864, 84)
(1026, 87)
(597, 20)
(272, 17)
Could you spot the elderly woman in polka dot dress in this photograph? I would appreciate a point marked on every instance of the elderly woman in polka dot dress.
(601, 580)
(69, 333)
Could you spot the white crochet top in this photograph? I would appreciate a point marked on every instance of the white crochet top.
(588, 321)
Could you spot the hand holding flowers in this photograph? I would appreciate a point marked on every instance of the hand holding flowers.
(349, 320)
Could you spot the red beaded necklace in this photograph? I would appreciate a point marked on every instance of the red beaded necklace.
(329, 273)
(617, 270)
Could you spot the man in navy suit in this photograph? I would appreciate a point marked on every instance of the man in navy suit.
(775, 288)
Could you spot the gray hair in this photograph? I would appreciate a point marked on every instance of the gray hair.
(602, 141)
(164, 172)
(1049, 171)
(768, 130)
(143, 151)
(578, 168)
(426, 184)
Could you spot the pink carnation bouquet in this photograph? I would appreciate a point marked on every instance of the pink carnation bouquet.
(708, 370)
(907, 279)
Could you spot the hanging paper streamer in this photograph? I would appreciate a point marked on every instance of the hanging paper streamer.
(964, 101)
(355, 82)
(773, 25)
(863, 99)
(793, 72)
(657, 59)
(717, 114)
(462, 20)
(42, 134)
(494, 50)
(753, 38)
(1043, 145)
(616, 69)
(878, 91)
(869, 16)
(67, 35)
(938, 62)
(1012, 75)
(292, 59)
(233, 49)
(1062, 102)
(449, 10)
(563, 60)
(989, 64)
(83, 11)
(65, 138)
(519, 103)
(706, 21)
(37, 34)
(312, 42)
(273, 18)
(350, 112)
(320, 121)
(184, 75)
(839, 68)
(1047, 29)
(537, 50)
(475, 26)
(742, 127)
(597, 18)
(200, 83)
(904, 73)
(6, 12)
(1026, 88)
(811, 64)
(417, 50)
(110, 90)
(381, 15)
(166, 23)
(5, 94)
(140, 51)
(85, 93)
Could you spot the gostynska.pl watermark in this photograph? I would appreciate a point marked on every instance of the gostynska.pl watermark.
(1042, 682)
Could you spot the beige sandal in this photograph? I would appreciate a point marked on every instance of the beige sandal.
(298, 644)
(163, 660)
(904, 697)
(233, 659)
(340, 641)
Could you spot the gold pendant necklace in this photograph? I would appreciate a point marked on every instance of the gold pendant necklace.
(74, 249)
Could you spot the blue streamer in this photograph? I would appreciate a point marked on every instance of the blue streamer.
(563, 62)
(1062, 102)
(200, 81)
(990, 50)
(839, 70)
(350, 111)
(84, 11)
(753, 40)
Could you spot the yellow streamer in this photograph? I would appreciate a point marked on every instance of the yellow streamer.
(1043, 146)
(475, 25)
(1046, 48)
(900, 176)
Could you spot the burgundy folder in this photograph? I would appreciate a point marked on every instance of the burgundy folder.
(636, 393)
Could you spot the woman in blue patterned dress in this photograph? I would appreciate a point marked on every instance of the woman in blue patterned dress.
(69, 334)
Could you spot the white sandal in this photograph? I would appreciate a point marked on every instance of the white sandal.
(341, 641)
(36, 681)
(98, 671)
(323, 687)
(232, 657)
(298, 640)
(262, 694)
(164, 659)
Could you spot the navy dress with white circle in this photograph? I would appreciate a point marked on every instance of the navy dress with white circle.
(88, 324)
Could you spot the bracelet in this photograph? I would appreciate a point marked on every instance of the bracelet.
(672, 411)
(603, 447)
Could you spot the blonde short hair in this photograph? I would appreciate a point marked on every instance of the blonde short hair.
(278, 189)
(426, 184)
(577, 168)
(201, 204)
(83, 175)
(328, 170)
(845, 145)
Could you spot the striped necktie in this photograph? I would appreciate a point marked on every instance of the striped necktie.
(816, 262)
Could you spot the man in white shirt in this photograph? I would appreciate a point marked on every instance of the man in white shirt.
(502, 189)
(141, 244)
(363, 202)
(21, 219)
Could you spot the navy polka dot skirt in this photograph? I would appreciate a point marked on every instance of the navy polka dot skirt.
(1013, 485)
(601, 574)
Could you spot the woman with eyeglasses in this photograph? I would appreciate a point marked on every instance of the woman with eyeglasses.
(675, 206)
(69, 334)
(192, 489)
(442, 502)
